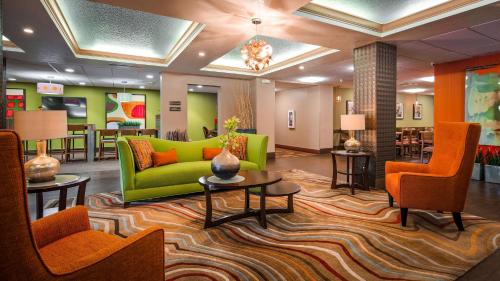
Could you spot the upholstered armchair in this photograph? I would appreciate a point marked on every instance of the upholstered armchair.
(63, 246)
(442, 184)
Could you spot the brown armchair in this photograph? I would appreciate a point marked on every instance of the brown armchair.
(442, 184)
(63, 246)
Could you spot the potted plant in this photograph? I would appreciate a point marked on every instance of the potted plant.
(129, 125)
(478, 171)
(492, 166)
(225, 165)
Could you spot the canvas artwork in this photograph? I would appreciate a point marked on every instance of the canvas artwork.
(125, 111)
(349, 107)
(400, 114)
(482, 102)
(417, 111)
(15, 102)
(291, 119)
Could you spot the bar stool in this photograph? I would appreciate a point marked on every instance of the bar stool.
(62, 149)
(128, 132)
(107, 136)
(149, 132)
(76, 132)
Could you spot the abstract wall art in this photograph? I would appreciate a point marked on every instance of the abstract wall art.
(125, 111)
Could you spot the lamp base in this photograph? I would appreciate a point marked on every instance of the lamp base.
(42, 168)
(352, 145)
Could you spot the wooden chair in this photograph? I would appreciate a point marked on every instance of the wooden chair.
(149, 132)
(76, 132)
(107, 136)
(442, 184)
(403, 141)
(128, 132)
(426, 144)
(63, 246)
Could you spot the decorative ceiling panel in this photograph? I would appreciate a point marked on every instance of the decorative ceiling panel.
(100, 31)
(285, 54)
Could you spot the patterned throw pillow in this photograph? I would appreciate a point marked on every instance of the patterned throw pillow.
(142, 151)
(240, 150)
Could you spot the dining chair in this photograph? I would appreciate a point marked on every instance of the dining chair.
(107, 137)
(76, 133)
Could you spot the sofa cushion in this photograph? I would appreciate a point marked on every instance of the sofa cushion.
(142, 150)
(209, 153)
(179, 173)
(164, 158)
(238, 147)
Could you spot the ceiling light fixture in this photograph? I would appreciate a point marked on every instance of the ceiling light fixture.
(141, 87)
(414, 90)
(149, 76)
(82, 83)
(12, 79)
(28, 30)
(201, 54)
(257, 53)
(199, 86)
(311, 79)
(429, 79)
(70, 70)
(301, 67)
(191, 90)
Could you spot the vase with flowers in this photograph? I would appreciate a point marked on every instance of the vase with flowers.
(225, 165)
(492, 164)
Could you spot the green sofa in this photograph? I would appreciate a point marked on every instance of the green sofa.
(181, 177)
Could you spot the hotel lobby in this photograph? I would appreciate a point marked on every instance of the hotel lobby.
(250, 140)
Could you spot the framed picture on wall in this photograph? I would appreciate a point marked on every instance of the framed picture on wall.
(125, 111)
(417, 111)
(291, 119)
(349, 107)
(400, 110)
(16, 101)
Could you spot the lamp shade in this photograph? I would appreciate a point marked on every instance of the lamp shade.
(41, 124)
(351, 122)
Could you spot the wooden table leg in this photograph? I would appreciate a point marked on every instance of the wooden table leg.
(247, 200)
(290, 203)
(334, 174)
(80, 198)
(365, 173)
(262, 212)
(208, 204)
(39, 205)
(63, 195)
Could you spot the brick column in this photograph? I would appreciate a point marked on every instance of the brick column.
(375, 96)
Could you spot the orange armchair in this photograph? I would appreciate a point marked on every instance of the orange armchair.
(63, 246)
(442, 184)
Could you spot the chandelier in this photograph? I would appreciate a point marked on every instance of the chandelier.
(257, 53)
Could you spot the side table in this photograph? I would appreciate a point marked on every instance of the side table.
(62, 182)
(350, 172)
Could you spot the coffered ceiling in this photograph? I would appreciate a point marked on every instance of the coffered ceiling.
(110, 41)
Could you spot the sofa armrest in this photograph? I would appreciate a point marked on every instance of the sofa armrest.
(398, 167)
(257, 150)
(430, 192)
(59, 225)
(119, 261)
(127, 165)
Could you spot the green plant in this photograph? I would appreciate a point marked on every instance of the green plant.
(129, 124)
(492, 156)
(230, 125)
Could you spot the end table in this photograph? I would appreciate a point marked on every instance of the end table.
(350, 172)
(62, 182)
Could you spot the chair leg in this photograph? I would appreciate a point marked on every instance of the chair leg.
(458, 221)
(404, 215)
(391, 200)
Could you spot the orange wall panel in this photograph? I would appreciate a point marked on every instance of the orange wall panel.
(449, 86)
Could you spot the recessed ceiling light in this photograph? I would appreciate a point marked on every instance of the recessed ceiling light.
(201, 54)
(301, 67)
(191, 90)
(350, 68)
(141, 87)
(311, 79)
(199, 86)
(414, 90)
(149, 76)
(82, 83)
(12, 79)
(70, 70)
(429, 79)
(28, 30)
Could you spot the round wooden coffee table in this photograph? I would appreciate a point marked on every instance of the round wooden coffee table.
(260, 179)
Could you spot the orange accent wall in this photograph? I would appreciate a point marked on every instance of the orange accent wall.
(449, 86)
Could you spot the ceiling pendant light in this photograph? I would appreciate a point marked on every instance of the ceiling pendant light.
(257, 53)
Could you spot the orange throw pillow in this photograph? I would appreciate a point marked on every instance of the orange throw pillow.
(210, 153)
(164, 158)
(240, 150)
(142, 150)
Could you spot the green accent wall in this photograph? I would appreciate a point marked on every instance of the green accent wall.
(201, 111)
(95, 103)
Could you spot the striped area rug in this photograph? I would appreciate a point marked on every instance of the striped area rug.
(331, 236)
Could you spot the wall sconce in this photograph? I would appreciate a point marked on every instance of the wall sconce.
(338, 98)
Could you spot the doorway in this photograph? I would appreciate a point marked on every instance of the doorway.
(201, 111)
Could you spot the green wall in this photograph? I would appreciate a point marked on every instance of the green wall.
(201, 111)
(408, 101)
(95, 103)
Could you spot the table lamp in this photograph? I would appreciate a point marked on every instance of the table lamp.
(352, 122)
(41, 126)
